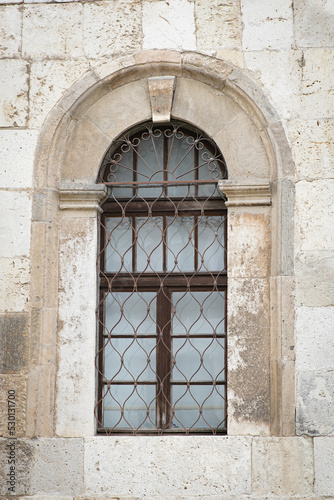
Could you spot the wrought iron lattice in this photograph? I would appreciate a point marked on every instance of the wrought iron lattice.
(162, 266)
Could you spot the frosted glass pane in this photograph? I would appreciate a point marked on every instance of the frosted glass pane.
(120, 232)
(211, 243)
(210, 399)
(150, 165)
(180, 166)
(149, 243)
(136, 402)
(180, 244)
(188, 352)
(139, 359)
(123, 173)
(139, 313)
(188, 317)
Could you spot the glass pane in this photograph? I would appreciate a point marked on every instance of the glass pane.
(138, 404)
(187, 354)
(188, 402)
(139, 359)
(180, 244)
(211, 243)
(138, 316)
(149, 245)
(120, 246)
(180, 165)
(188, 317)
(150, 164)
(123, 173)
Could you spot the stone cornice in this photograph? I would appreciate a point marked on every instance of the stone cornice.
(245, 194)
(82, 196)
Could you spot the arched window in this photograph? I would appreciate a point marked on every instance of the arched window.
(162, 268)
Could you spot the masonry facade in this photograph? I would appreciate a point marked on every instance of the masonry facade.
(256, 78)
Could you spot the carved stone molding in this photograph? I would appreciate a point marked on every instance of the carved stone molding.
(246, 194)
(161, 91)
(82, 197)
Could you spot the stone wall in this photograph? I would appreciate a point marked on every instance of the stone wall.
(266, 67)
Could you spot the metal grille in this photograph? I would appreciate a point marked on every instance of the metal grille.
(162, 265)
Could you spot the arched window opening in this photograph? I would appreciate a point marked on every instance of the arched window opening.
(161, 358)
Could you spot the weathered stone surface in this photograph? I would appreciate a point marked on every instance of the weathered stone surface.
(209, 110)
(14, 93)
(313, 23)
(48, 82)
(249, 243)
(57, 467)
(169, 25)
(10, 31)
(312, 147)
(110, 27)
(40, 401)
(15, 214)
(315, 338)
(235, 57)
(218, 25)
(282, 466)
(13, 343)
(17, 148)
(280, 72)
(76, 338)
(324, 466)
(317, 84)
(315, 278)
(127, 105)
(14, 284)
(17, 383)
(161, 91)
(58, 29)
(248, 347)
(202, 466)
(315, 403)
(23, 454)
(267, 25)
(315, 215)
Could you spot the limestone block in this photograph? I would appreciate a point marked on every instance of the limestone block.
(57, 467)
(13, 343)
(313, 23)
(110, 27)
(280, 72)
(267, 25)
(324, 466)
(17, 383)
(75, 397)
(14, 93)
(23, 456)
(235, 57)
(315, 338)
(88, 147)
(243, 149)
(248, 347)
(315, 403)
(17, 148)
(249, 243)
(40, 401)
(217, 25)
(163, 467)
(10, 31)
(169, 25)
(317, 84)
(14, 284)
(312, 147)
(315, 215)
(48, 82)
(209, 110)
(315, 278)
(43, 336)
(282, 466)
(10, 1)
(127, 105)
(15, 216)
(57, 27)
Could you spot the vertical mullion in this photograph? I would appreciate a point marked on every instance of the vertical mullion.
(134, 244)
(100, 363)
(164, 347)
(195, 243)
(164, 243)
(135, 171)
(196, 170)
(165, 166)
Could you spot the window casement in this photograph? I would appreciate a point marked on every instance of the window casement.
(162, 266)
